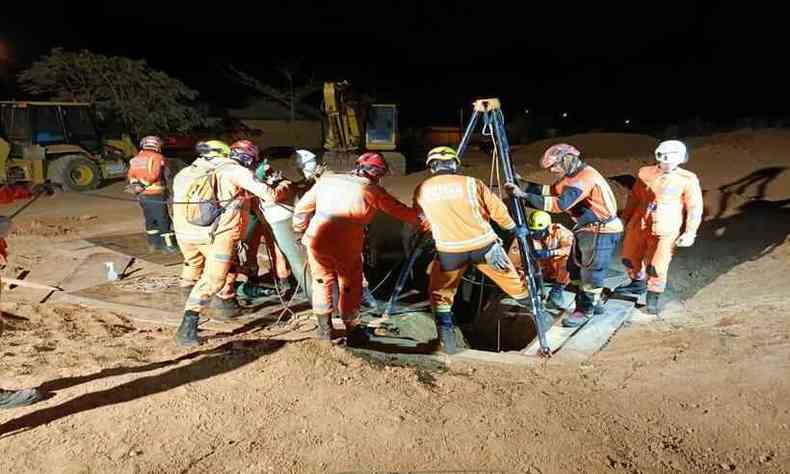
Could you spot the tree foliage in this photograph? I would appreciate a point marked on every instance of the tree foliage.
(145, 99)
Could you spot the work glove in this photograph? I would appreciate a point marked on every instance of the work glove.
(5, 227)
(134, 188)
(497, 258)
(541, 253)
(686, 240)
(514, 190)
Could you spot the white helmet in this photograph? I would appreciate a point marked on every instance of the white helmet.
(670, 154)
(307, 162)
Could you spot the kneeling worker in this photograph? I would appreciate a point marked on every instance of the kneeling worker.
(553, 244)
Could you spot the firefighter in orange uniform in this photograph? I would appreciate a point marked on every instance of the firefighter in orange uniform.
(148, 175)
(582, 192)
(459, 209)
(332, 216)
(654, 216)
(552, 243)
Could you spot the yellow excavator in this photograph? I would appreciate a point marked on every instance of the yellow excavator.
(354, 126)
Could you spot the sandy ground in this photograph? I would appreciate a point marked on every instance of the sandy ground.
(706, 389)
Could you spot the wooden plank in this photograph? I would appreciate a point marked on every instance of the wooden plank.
(596, 333)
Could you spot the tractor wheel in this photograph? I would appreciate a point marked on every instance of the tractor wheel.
(75, 173)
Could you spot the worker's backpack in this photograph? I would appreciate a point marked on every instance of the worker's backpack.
(202, 205)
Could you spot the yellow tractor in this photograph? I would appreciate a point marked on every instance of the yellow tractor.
(58, 142)
(344, 132)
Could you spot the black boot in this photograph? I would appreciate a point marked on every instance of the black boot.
(585, 304)
(169, 243)
(19, 398)
(187, 331)
(653, 303)
(634, 287)
(324, 327)
(357, 336)
(556, 299)
(446, 330)
(225, 309)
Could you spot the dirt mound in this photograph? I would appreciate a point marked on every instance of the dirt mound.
(594, 145)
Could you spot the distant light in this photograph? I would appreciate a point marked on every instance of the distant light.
(526, 111)
(565, 115)
(628, 121)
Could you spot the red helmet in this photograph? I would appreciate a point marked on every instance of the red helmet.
(245, 152)
(556, 152)
(151, 142)
(373, 160)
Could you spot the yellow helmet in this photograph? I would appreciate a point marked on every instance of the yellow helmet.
(213, 149)
(538, 220)
(443, 153)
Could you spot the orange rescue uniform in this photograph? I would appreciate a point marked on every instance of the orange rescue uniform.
(459, 209)
(209, 260)
(559, 241)
(333, 215)
(654, 216)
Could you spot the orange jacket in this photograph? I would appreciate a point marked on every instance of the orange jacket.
(586, 196)
(147, 169)
(559, 241)
(334, 212)
(459, 209)
(658, 201)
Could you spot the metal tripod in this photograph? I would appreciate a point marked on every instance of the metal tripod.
(494, 126)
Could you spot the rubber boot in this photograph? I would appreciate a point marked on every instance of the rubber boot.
(635, 287)
(583, 313)
(225, 309)
(169, 243)
(556, 299)
(653, 303)
(187, 331)
(19, 398)
(357, 336)
(368, 300)
(446, 330)
(185, 291)
(324, 327)
(599, 309)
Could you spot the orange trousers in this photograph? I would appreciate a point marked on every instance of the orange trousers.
(210, 268)
(647, 256)
(334, 269)
(444, 282)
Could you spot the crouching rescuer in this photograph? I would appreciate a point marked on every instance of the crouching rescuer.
(211, 210)
(459, 209)
(332, 215)
(553, 244)
(148, 175)
(654, 212)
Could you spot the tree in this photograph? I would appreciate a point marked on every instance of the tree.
(292, 96)
(146, 100)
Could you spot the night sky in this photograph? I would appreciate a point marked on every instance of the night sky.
(652, 62)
